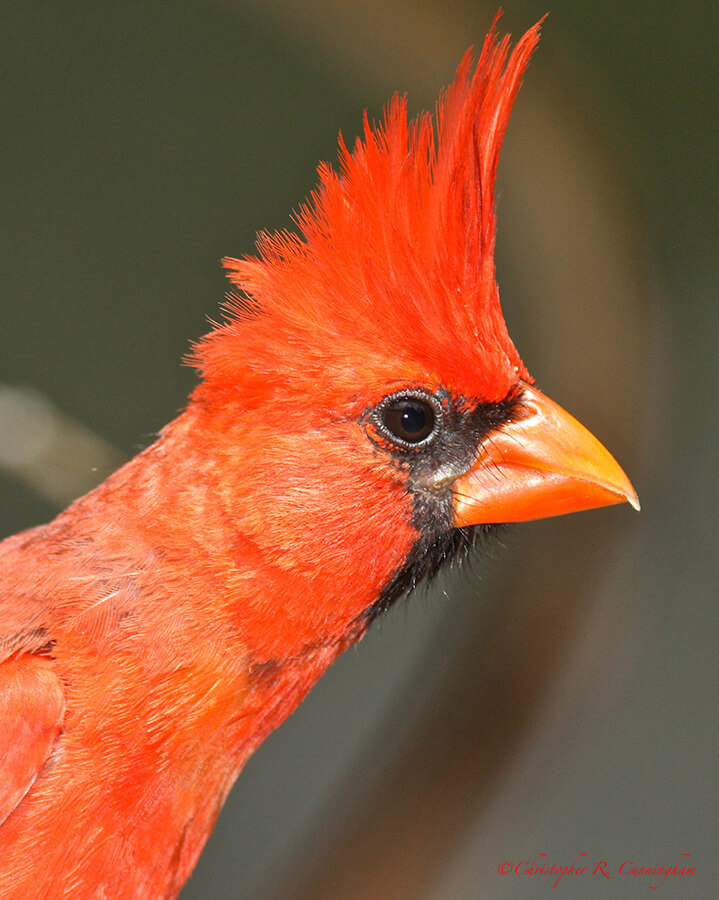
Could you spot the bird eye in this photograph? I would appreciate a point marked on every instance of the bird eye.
(409, 419)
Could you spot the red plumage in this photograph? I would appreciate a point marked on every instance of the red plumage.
(163, 625)
(403, 233)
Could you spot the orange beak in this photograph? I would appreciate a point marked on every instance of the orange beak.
(544, 463)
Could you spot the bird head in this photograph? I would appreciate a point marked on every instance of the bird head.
(364, 381)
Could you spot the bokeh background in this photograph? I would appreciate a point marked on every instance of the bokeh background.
(559, 697)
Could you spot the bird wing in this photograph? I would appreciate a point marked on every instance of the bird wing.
(32, 697)
(32, 704)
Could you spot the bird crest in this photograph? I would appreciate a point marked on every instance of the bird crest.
(391, 273)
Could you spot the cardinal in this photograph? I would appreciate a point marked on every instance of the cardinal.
(362, 418)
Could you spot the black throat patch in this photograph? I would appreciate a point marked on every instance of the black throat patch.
(439, 543)
(428, 556)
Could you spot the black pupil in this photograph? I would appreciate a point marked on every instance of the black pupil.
(409, 420)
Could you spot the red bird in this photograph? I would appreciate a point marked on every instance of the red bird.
(362, 415)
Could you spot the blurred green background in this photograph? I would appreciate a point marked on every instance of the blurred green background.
(560, 697)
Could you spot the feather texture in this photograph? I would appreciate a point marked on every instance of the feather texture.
(402, 232)
(156, 632)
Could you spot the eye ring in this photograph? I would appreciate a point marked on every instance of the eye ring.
(409, 419)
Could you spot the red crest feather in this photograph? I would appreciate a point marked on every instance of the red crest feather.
(392, 274)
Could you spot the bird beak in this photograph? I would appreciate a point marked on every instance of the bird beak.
(543, 463)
